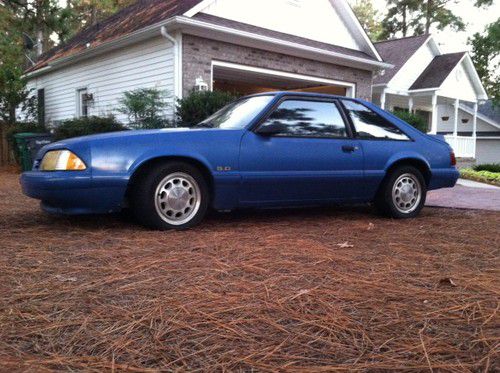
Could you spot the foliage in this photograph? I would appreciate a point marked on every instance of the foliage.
(413, 119)
(482, 176)
(418, 17)
(491, 167)
(86, 126)
(485, 54)
(368, 16)
(400, 15)
(21, 127)
(12, 85)
(145, 108)
(198, 106)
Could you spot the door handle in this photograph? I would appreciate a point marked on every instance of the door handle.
(349, 148)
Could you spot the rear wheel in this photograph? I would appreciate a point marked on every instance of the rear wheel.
(172, 195)
(402, 194)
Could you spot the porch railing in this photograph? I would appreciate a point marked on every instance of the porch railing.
(463, 146)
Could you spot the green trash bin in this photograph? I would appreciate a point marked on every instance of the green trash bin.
(28, 144)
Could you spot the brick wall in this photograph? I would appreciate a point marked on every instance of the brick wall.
(198, 54)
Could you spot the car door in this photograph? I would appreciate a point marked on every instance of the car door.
(302, 152)
(380, 140)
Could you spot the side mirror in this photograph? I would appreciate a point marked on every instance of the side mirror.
(270, 129)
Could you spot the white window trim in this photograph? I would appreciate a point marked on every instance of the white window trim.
(350, 87)
(79, 102)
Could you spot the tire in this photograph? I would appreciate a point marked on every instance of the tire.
(402, 193)
(171, 195)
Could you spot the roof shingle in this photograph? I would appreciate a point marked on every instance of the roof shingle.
(280, 35)
(141, 14)
(397, 52)
(438, 70)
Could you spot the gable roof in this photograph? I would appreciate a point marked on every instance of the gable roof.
(139, 15)
(437, 71)
(144, 15)
(486, 111)
(280, 35)
(397, 52)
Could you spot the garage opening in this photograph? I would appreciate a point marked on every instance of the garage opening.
(247, 80)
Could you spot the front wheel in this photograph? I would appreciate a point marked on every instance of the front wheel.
(402, 194)
(171, 196)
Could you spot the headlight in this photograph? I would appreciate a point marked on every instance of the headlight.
(61, 160)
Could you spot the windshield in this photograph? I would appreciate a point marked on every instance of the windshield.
(237, 114)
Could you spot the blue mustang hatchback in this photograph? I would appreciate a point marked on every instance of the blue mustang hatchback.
(268, 150)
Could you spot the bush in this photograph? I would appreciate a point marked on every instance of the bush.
(86, 126)
(145, 108)
(198, 106)
(20, 127)
(490, 167)
(482, 176)
(413, 119)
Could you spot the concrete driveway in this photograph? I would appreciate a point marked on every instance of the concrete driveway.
(466, 195)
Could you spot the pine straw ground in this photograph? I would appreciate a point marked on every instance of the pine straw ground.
(298, 291)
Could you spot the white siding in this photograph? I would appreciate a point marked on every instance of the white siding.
(413, 68)
(487, 151)
(449, 111)
(459, 85)
(312, 19)
(145, 65)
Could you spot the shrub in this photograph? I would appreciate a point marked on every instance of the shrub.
(490, 167)
(145, 108)
(413, 119)
(20, 127)
(482, 176)
(86, 126)
(198, 106)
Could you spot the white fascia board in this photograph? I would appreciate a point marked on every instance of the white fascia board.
(201, 28)
(424, 44)
(353, 23)
(475, 77)
(198, 8)
(223, 33)
(140, 35)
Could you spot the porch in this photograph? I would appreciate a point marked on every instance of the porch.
(453, 118)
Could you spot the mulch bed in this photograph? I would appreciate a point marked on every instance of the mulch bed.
(296, 290)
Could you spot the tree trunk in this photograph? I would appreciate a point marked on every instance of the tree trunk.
(428, 15)
(93, 15)
(39, 27)
(405, 25)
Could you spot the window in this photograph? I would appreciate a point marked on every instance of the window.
(41, 106)
(307, 119)
(82, 109)
(370, 125)
(238, 114)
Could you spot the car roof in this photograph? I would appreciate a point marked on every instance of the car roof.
(299, 94)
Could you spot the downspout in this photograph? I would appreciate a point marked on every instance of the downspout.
(177, 75)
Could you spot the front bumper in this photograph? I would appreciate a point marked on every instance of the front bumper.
(71, 193)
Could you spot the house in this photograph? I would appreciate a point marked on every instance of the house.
(181, 45)
(445, 90)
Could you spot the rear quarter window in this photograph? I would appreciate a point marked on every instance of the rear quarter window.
(370, 125)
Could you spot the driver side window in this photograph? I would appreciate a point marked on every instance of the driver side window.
(302, 118)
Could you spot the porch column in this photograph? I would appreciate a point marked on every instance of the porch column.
(455, 123)
(434, 122)
(474, 127)
(382, 99)
(410, 104)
